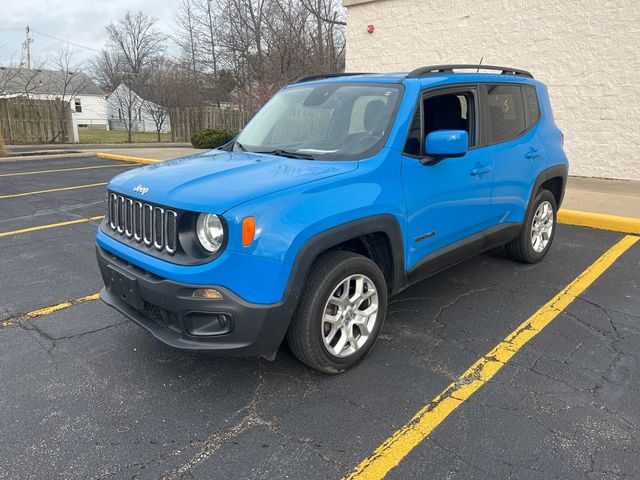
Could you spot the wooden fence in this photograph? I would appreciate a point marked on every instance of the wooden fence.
(185, 121)
(27, 121)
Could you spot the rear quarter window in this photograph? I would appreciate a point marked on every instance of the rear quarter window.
(531, 104)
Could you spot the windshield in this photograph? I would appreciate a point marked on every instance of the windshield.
(324, 121)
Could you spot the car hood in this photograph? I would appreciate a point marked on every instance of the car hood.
(217, 181)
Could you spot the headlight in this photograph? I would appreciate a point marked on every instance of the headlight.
(210, 232)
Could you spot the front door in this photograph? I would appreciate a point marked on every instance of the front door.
(447, 201)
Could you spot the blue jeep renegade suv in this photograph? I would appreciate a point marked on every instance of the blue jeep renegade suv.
(341, 191)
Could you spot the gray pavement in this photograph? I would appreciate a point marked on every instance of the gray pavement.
(87, 394)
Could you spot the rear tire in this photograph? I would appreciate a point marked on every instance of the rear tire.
(538, 230)
(340, 313)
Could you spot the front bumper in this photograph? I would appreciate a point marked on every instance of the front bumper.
(168, 310)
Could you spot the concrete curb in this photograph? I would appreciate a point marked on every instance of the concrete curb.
(600, 221)
(126, 158)
(26, 158)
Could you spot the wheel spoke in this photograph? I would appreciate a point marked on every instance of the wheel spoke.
(358, 289)
(332, 333)
(365, 296)
(342, 341)
(361, 323)
(332, 319)
(370, 310)
(351, 337)
(342, 299)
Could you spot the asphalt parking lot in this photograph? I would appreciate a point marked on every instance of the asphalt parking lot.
(87, 394)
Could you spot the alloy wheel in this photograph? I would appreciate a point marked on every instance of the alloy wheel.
(349, 315)
(542, 227)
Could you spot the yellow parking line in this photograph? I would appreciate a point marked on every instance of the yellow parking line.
(126, 158)
(51, 225)
(47, 310)
(388, 455)
(14, 195)
(15, 174)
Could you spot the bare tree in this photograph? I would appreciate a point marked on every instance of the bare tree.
(69, 82)
(108, 69)
(244, 48)
(161, 94)
(134, 45)
(136, 38)
(188, 35)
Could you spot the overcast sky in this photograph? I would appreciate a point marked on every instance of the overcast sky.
(79, 21)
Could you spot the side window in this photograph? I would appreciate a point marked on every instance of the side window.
(449, 111)
(531, 102)
(506, 110)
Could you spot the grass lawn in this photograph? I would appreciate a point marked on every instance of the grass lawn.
(117, 136)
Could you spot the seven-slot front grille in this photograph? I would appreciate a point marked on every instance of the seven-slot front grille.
(145, 223)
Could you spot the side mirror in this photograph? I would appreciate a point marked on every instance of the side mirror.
(446, 143)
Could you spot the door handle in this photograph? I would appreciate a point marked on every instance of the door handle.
(480, 169)
(531, 154)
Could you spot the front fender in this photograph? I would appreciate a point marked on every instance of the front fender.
(312, 218)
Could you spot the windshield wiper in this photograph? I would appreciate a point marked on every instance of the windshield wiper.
(286, 153)
(235, 142)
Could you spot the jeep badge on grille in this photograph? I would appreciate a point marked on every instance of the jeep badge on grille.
(141, 190)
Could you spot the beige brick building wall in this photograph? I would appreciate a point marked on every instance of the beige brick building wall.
(586, 51)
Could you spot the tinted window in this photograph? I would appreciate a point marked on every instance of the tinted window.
(531, 102)
(506, 110)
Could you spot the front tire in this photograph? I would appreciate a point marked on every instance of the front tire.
(538, 230)
(340, 313)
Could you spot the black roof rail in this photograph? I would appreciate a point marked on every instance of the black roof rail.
(434, 69)
(320, 76)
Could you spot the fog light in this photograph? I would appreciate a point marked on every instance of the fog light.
(211, 293)
(205, 324)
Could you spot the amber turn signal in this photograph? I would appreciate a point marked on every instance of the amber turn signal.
(248, 230)
(210, 293)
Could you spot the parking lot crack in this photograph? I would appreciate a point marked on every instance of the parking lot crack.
(212, 444)
(436, 319)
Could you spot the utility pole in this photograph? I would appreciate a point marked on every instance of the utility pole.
(26, 45)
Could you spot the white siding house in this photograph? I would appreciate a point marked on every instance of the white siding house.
(585, 51)
(90, 111)
(86, 99)
(124, 99)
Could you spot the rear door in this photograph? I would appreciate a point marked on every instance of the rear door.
(512, 115)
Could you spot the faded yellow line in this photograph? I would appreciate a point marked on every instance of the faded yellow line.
(15, 174)
(388, 455)
(47, 310)
(14, 195)
(600, 220)
(126, 158)
(51, 225)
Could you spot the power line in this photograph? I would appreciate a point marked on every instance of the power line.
(64, 41)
